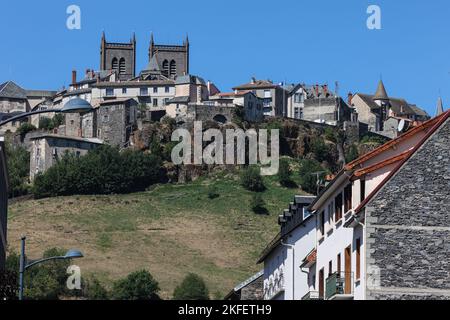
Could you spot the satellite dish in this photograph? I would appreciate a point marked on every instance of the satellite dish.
(401, 125)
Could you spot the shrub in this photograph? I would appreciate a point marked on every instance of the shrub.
(50, 124)
(104, 170)
(24, 129)
(18, 159)
(213, 192)
(308, 180)
(192, 288)
(284, 173)
(94, 290)
(258, 204)
(139, 285)
(319, 149)
(352, 153)
(251, 179)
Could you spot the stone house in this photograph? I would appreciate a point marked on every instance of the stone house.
(274, 96)
(46, 149)
(250, 289)
(380, 226)
(252, 105)
(115, 121)
(13, 101)
(4, 182)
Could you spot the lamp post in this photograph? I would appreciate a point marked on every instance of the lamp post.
(75, 105)
(71, 254)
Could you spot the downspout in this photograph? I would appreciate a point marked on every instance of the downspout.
(293, 266)
(358, 221)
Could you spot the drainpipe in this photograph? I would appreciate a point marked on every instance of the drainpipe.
(293, 266)
(358, 221)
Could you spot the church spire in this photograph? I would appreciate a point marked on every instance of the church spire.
(439, 107)
(381, 93)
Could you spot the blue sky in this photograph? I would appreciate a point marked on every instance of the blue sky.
(293, 41)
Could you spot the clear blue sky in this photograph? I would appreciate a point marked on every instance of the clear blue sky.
(294, 41)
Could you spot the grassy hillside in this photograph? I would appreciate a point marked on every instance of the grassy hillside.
(170, 231)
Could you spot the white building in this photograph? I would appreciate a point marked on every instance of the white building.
(331, 251)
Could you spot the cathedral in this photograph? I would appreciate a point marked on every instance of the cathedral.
(164, 61)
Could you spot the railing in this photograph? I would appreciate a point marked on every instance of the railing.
(339, 284)
(312, 295)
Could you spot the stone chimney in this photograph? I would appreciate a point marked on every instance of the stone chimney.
(74, 76)
(349, 99)
(325, 90)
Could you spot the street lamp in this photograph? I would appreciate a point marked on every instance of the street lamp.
(71, 254)
(75, 105)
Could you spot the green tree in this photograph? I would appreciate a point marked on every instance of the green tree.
(192, 288)
(284, 173)
(139, 285)
(251, 179)
(24, 128)
(308, 180)
(18, 159)
(319, 149)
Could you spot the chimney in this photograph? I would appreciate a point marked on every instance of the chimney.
(317, 90)
(349, 99)
(325, 90)
(74, 76)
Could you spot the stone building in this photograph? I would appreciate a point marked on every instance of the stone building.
(3, 203)
(48, 148)
(250, 289)
(118, 57)
(274, 96)
(171, 60)
(115, 121)
(251, 104)
(374, 110)
(13, 101)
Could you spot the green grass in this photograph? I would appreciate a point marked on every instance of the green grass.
(171, 230)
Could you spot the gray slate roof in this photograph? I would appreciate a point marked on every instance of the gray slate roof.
(11, 90)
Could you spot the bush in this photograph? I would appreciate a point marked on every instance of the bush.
(24, 129)
(94, 290)
(18, 159)
(308, 180)
(139, 285)
(352, 153)
(213, 192)
(192, 288)
(319, 149)
(258, 204)
(284, 173)
(104, 170)
(374, 139)
(251, 179)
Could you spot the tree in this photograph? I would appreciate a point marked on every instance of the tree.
(284, 173)
(93, 289)
(308, 180)
(24, 129)
(192, 288)
(258, 204)
(18, 159)
(251, 179)
(139, 285)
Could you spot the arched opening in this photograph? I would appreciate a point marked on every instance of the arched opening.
(165, 68)
(173, 68)
(220, 118)
(122, 67)
(115, 64)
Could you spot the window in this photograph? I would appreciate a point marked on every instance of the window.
(115, 64)
(173, 68)
(348, 198)
(109, 92)
(267, 94)
(105, 118)
(124, 90)
(358, 258)
(155, 89)
(338, 269)
(144, 91)
(338, 207)
(330, 268)
(322, 223)
(296, 113)
(155, 102)
(167, 89)
(166, 101)
(362, 189)
(330, 213)
(122, 67)
(298, 98)
(165, 68)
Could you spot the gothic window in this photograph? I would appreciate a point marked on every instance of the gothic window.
(115, 64)
(165, 68)
(122, 68)
(173, 68)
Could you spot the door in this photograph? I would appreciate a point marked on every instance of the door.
(348, 270)
(321, 283)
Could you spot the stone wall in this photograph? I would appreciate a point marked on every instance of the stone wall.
(254, 290)
(408, 227)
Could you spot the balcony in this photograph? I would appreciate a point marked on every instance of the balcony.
(312, 295)
(339, 286)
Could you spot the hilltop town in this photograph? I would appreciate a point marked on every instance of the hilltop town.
(372, 196)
